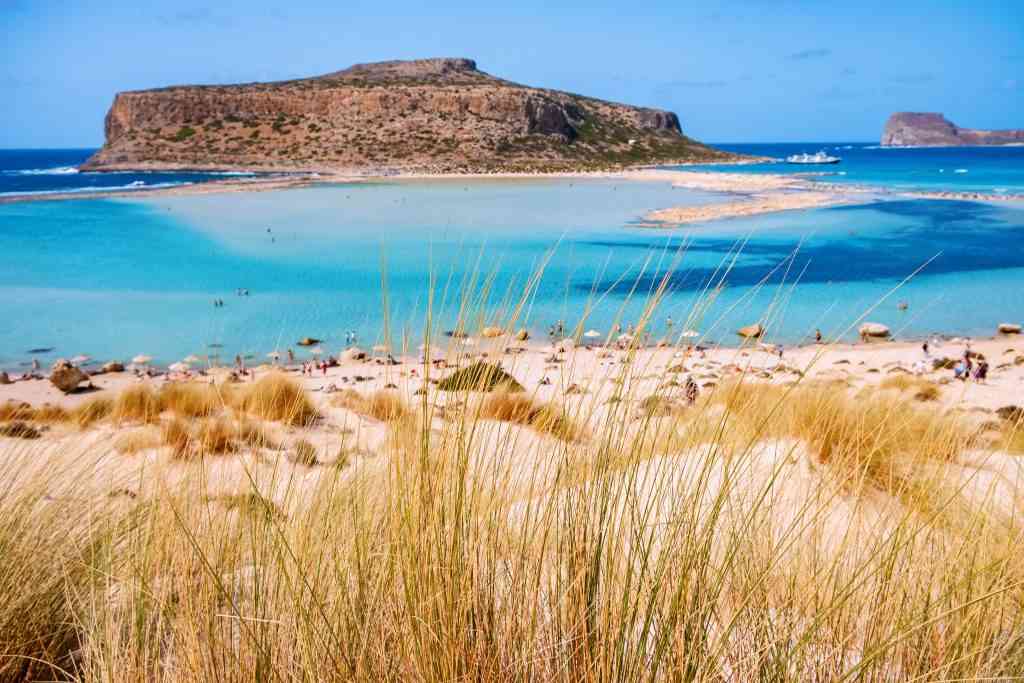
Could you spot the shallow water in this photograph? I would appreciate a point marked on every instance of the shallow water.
(115, 278)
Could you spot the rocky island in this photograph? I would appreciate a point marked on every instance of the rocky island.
(914, 129)
(429, 115)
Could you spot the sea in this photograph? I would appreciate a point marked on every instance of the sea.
(40, 172)
(386, 261)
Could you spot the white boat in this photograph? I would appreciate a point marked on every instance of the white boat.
(819, 158)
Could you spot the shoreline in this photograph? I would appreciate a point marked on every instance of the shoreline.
(549, 370)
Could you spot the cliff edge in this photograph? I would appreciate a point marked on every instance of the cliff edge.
(433, 115)
(918, 129)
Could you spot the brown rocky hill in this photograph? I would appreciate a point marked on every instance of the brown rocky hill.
(917, 129)
(441, 115)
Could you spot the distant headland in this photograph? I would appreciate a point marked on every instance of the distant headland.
(428, 115)
(917, 129)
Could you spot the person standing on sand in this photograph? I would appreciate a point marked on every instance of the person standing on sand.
(691, 391)
(817, 336)
(291, 356)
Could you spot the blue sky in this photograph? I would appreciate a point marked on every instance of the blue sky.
(764, 70)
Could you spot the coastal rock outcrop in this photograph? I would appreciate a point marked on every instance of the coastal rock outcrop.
(751, 331)
(930, 129)
(874, 331)
(427, 115)
(1009, 328)
(65, 376)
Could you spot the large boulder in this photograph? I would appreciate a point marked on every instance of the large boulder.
(874, 331)
(4, 378)
(751, 331)
(1009, 328)
(353, 353)
(111, 366)
(66, 376)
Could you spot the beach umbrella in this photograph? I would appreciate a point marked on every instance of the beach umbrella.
(191, 359)
(78, 360)
(178, 367)
(142, 359)
(591, 334)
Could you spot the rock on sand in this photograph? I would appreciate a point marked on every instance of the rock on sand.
(66, 376)
(874, 331)
(1009, 328)
(751, 331)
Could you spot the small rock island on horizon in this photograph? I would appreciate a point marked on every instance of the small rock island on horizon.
(932, 129)
(429, 115)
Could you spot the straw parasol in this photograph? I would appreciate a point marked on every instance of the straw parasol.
(591, 334)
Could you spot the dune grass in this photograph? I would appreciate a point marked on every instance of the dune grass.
(921, 389)
(277, 398)
(524, 410)
(718, 561)
(138, 403)
(384, 405)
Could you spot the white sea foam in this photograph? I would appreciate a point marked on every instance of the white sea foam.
(960, 170)
(56, 170)
(84, 190)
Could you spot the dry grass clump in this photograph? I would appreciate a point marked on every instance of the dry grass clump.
(871, 436)
(527, 411)
(304, 453)
(139, 403)
(251, 503)
(215, 436)
(278, 398)
(46, 413)
(210, 436)
(384, 405)
(178, 437)
(924, 390)
(19, 430)
(138, 440)
(92, 411)
(192, 400)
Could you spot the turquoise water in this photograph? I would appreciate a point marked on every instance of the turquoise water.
(998, 170)
(115, 278)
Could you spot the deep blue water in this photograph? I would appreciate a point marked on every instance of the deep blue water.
(50, 171)
(997, 170)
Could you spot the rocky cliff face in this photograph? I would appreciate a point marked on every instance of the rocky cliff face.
(935, 130)
(431, 114)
